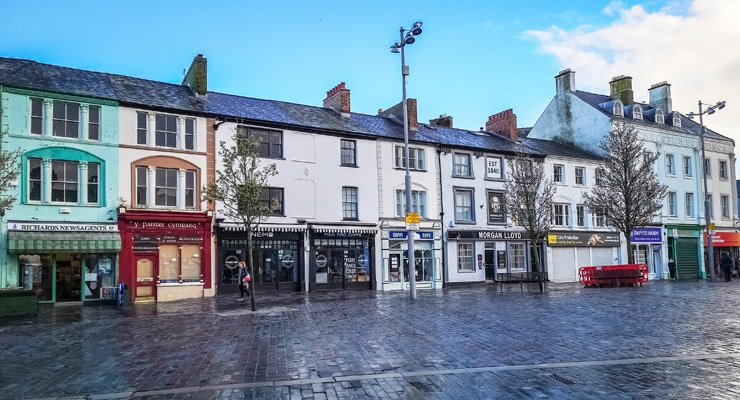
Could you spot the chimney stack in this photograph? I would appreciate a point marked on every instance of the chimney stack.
(338, 99)
(396, 112)
(197, 76)
(565, 81)
(443, 120)
(503, 123)
(621, 89)
(660, 97)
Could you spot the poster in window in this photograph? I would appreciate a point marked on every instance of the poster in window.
(494, 168)
(496, 207)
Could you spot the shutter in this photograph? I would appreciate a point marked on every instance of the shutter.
(563, 265)
(687, 259)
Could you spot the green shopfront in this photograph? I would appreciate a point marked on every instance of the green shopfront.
(65, 262)
(685, 249)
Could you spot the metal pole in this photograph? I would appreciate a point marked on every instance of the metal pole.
(407, 181)
(707, 205)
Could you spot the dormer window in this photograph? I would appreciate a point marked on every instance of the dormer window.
(676, 119)
(618, 109)
(659, 117)
(637, 112)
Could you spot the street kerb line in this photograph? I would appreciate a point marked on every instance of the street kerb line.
(406, 374)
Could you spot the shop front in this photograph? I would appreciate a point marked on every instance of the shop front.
(66, 262)
(567, 251)
(166, 255)
(342, 257)
(395, 270)
(724, 241)
(277, 255)
(480, 255)
(647, 248)
(685, 249)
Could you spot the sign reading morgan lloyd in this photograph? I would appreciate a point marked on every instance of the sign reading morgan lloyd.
(496, 206)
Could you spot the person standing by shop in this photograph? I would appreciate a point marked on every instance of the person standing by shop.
(726, 262)
(244, 279)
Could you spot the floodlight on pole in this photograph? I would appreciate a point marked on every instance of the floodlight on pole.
(407, 37)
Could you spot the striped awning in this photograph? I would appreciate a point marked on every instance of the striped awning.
(265, 228)
(56, 242)
(345, 228)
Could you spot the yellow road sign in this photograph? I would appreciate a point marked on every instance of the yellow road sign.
(412, 218)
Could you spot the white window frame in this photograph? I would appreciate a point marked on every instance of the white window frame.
(637, 112)
(462, 165)
(708, 167)
(670, 164)
(561, 214)
(418, 202)
(350, 203)
(465, 257)
(580, 176)
(689, 205)
(723, 170)
(462, 208)
(581, 215)
(724, 204)
(618, 109)
(659, 116)
(687, 170)
(558, 173)
(672, 204)
(417, 156)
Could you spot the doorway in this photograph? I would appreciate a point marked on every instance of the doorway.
(69, 281)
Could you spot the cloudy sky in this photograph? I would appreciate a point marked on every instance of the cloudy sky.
(473, 59)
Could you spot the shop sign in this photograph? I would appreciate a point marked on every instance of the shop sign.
(489, 235)
(61, 227)
(496, 208)
(163, 225)
(724, 239)
(146, 246)
(646, 235)
(421, 235)
(594, 239)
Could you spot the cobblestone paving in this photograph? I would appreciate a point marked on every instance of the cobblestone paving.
(665, 340)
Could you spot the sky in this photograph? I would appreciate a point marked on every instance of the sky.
(473, 58)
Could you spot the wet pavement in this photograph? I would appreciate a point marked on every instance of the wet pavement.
(665, 340)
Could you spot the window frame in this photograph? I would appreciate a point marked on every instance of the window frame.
(637, 112)
(708, 167)
(582, 177)
(670, 164)
(581, 215)
(462, 165)
(94, 126)
(687, 170)
(723, 170)
(724, 205)
(350, 203)
(672, 204)
(417, 156)
(418, 202)
(163, 135)
(689, 204)
(459, 208)
(465, 257)
(191, 133)
(659, 117)
(618, 109)
(558, 173)
(347, 153)
(268, 195)
(561, 213)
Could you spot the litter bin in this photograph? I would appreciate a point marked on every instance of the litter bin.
(672, 268)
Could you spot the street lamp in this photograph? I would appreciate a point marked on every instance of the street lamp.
(407, 37)
(707, 207)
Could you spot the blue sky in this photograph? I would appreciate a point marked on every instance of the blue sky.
(473, 59)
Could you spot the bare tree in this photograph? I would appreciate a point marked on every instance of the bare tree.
(529, 200)
(10, 168)
(627, 191)
(239, 190)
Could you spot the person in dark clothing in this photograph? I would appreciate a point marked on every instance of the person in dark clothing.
(726, 263)
(243, 280)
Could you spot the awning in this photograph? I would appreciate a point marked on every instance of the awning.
(344, 228)
(56, 242)
(265, 228)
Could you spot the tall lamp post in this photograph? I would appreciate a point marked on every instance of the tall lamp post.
(407, 37)
(707, 206)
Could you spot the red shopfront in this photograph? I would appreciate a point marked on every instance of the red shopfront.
(165, 255)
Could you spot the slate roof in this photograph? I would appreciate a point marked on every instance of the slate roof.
(29, 74)
(553, 148)
(688, 126)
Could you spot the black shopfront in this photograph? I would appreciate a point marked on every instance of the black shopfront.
(341, 260)
(277, 256)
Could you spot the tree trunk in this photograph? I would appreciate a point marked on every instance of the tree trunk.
(250, 267)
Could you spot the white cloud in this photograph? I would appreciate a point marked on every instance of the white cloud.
(692, 45)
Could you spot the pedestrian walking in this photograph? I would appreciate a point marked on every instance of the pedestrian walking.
(244, 280)
(726, 263)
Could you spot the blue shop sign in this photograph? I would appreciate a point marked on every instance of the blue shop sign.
(646, 235)
(423, 235)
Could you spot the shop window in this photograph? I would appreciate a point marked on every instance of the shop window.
(179, 263)
(100, 276)
(36, 274)
(517, 253)
(465, 257)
